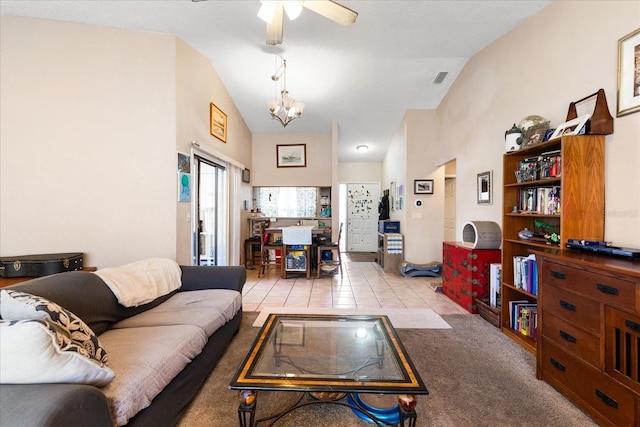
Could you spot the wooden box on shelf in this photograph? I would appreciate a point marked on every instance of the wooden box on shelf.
(576, 213)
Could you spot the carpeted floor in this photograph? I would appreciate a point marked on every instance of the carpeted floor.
(476, 377)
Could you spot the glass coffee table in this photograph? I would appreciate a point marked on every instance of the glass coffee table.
(342, 360)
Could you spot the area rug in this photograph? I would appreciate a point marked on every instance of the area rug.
(401, 318)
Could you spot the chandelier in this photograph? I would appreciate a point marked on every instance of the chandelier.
(284, 109)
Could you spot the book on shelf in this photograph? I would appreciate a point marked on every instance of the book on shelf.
(495, 277)
(523, 317)
(525, 273)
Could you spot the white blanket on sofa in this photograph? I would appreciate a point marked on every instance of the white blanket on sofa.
(142, 281)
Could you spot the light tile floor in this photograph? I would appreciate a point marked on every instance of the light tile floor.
(363, 285)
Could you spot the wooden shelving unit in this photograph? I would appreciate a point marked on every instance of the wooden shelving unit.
(581, 214)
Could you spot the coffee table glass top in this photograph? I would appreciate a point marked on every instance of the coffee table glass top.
(321, 353)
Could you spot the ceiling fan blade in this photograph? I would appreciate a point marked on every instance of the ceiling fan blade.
(332, 10)
(274, 29)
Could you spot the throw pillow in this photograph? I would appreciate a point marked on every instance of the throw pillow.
(34, 351)
(15, 305)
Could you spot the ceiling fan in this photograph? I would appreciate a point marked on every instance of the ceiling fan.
(272, 12)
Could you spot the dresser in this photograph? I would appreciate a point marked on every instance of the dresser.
(465, 273)
(589, 348)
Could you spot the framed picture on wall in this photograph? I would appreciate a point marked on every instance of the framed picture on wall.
(629, 73)
(484, 188)
(422, 186)
(246, 175)
(291, 155)
(218, 123)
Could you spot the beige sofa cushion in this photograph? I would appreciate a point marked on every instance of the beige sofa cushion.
(145, 360)
(208, 309)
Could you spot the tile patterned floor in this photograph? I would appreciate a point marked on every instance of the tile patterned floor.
(364, 285)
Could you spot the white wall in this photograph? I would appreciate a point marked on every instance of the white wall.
(87, 141)
(359, 172)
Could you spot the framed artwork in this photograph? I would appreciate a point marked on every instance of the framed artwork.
(422, 186)
(629, 74)
(484, 188)
(291, 155)
(218, 123)
(572, 127)
(534, 134)
(184, 177)
(246, 175)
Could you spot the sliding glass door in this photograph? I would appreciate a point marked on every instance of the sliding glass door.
(211, 232)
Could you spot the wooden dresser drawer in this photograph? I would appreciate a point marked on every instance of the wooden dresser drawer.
(575, 341)
(602, 287)
(573, 308)
(608, 398)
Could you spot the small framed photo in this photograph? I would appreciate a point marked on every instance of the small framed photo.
(629, 74)
(218, 123)
(484, 188)
(572, 127)
(291, 155)
(422, 186)
(246, 175)
(534, 134)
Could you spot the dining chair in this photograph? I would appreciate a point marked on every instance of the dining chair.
(271, 251)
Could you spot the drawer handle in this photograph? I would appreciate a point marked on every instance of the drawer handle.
(559, 366)
(632, 325)
(567, 337)
(606, 399)
(558, 275)
(567, 305)
(610, 290)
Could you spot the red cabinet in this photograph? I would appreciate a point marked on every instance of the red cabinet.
(465, 273)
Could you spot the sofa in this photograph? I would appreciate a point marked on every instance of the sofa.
(145, 361)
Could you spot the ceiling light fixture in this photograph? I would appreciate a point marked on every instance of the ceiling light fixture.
(362, 148)
(268, 9)
(284, 109)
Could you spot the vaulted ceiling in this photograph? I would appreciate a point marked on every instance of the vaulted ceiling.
(364, 76)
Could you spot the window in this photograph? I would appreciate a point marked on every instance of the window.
(287, 201)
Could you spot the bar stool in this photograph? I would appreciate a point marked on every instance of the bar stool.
(330, 266)
(252, 252)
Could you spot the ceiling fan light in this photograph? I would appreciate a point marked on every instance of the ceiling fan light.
(293, 8)
(267, 10)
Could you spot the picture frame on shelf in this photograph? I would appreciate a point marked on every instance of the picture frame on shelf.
(534, 134)
(572, 127)
(291, 155)
(218, 123)
(484, 188)
(628, 72)
(422, 186)
(246, 176)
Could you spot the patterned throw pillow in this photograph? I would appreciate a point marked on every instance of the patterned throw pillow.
(15, 305)
(34, 351)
